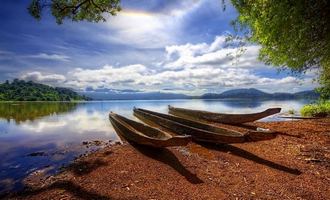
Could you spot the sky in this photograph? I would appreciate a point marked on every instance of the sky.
(151, 45)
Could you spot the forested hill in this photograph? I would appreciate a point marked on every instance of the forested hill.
(257, 94)
(20, 90)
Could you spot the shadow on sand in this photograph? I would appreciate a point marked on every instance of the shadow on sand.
(250, 156)
(70, 187)
(254, 128)
(167, 157)
(81, 167)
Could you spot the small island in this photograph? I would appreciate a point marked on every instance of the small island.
(20, 90)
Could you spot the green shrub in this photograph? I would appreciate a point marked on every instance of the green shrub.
(291, 111)
(320, 109)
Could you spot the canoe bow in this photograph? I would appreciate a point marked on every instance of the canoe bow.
(142, 134)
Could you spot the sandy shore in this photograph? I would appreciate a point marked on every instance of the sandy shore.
(294, 165)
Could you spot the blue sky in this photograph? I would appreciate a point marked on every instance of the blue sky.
(151, 45)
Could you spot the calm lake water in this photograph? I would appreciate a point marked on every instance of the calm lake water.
(48, 135)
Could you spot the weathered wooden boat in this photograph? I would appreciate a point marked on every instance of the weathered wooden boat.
(199, 131)
(142, 134)
(206, 116)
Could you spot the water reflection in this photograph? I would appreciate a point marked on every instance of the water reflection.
(21, 112)
(242, 103)
(53, 134)
(55, 131)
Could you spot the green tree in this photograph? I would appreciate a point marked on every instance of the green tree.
(292, 34)
(20, 90)
(76, 10)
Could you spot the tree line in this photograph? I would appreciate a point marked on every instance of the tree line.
(20, 90)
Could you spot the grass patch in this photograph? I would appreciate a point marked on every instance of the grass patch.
(320, 109)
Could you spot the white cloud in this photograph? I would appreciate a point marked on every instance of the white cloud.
(216, 54)
(2, 52)
(39, 77)
(147, 29)
(142, 30)
(6, 55)
(188, 68)
(55, 57)
(119, 77)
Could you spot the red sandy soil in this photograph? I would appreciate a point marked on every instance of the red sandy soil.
(294, 165)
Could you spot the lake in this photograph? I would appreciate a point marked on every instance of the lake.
(49, 135)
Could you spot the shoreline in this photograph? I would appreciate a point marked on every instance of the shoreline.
(169, 99)
(296, 164)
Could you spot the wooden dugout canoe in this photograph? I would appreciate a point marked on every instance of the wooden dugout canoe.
(206, 116)
(142, 134)
(198, 131)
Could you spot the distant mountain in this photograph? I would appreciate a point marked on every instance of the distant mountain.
(251, 93)
(311, 94)
(20, 90)
(111, 95)
(254, 93)
(238, 93)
